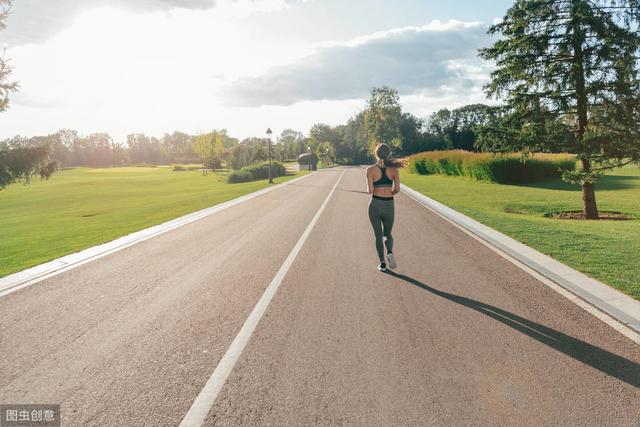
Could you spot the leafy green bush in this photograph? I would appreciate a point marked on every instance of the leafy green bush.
(178, 168)
(510, 168)
(239, 176)
(256, 171)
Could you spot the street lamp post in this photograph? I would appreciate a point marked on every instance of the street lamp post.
(269, 139)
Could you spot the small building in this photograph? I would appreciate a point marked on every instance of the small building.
(308, 162)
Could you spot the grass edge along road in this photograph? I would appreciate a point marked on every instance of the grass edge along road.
(82, 207)
(608, 251)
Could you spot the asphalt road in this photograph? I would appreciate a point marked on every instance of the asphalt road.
(456, 336)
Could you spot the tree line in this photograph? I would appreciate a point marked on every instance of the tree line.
(349, 143)
(67, 148)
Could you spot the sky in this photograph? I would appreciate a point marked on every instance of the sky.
(155, 66)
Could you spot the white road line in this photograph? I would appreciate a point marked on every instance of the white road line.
(205, 400)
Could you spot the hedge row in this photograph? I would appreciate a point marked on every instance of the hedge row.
(504, 168)
(256, 171)
(182, 168)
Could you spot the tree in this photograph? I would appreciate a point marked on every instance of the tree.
(144, 149)
(410, 134)
(59, 150)
(326, 152)
(238, 157)
(292, 143)
(5, 69)
(20, 161)
(441, 124)
(94, 150)
(177, 147)
(248, 151)
(210, 148)
(278, 151)
(228, 144)
(355, 138)
(322, 134)
(458, 127)
(506, 130)
(574, 62)
(105, 151)
(257, 148)
(383, 116)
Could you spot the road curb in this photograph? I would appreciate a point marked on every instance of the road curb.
(612, 302)
(32, 275)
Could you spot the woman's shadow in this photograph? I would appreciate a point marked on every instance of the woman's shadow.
(596, 357)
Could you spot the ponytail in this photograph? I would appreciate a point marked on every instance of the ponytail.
(394, 163)
(384, 152)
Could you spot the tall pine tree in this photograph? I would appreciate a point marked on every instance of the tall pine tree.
(572, 62)
(5, 69)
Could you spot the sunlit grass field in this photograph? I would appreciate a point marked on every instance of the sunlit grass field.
(81, 207)
(606, 250)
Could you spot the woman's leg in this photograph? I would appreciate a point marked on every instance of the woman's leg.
(388, 213)
(376, 223)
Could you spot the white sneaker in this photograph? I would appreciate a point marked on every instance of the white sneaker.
(392, 261)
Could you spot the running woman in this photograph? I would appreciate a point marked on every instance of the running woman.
(383, 182)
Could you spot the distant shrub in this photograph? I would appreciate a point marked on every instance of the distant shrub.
(182, 168)
(256, 171)
(504, 168)
(138, 165)
(239, 176)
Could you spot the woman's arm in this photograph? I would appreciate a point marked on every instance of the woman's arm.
(369, 181)
(396, 182)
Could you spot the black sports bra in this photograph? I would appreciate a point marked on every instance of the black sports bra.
(384, 180)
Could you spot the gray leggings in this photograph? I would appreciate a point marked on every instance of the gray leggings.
(381, 216)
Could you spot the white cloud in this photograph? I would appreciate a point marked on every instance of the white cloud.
(411, 59)
(35, 21)
(433, 26)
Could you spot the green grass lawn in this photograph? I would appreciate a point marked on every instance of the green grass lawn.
(606, 250)
(81, 207)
